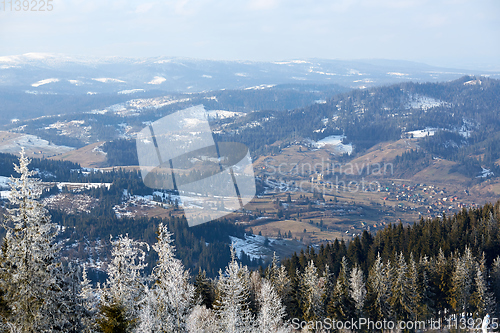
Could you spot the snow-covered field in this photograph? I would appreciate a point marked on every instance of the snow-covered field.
(336, 142)
(4, 182)
(223, 114)
(428, 131)
(32, 145)
(464, 131)
(253, 246)
(424, 102)
(135, 106)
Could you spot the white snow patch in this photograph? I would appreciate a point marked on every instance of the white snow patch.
(260, 87)
(472, 82)
(428, 131)
(42, 82)
(76, 82)
(130, 91)
(107, 80)
(485, 173)
(397, 74)
(291, 62)
(157, 80)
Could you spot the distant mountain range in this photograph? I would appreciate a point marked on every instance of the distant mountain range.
(39, 73)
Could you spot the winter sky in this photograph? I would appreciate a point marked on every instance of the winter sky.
(460, 33)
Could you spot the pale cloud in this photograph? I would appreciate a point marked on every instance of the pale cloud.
(435, 21)
(263, 4)
(144, 8)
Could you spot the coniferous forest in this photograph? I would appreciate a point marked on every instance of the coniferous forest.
(446, 269)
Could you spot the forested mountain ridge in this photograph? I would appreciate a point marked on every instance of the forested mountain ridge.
(369, 116)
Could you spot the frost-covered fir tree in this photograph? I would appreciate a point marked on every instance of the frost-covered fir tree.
(90, 301)
(125, 287)
(232, 303)
(254, 288)
(483, 299)
(173, 293)
(270, 318)
(312, 289)
(357, 290)
(39, 294)
(495, 281)
(379, 290)
(401, 294)
(462, 280)
(278, 276)
(342, 305)
(426, 307)
(202, 320)
(148, 318)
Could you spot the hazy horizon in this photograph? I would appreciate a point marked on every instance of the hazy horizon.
(445, 33)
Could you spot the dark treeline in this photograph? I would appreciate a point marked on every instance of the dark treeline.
(438, 250)
(48, 169)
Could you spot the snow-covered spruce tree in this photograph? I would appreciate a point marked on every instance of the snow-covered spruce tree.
(342, 305)
(174, 295)
(231, 305)
(426, 307)
(357, 290)
(415, 291)
(89, 298)
(462, 280)
(401, 296)
(202, 320)
(124, 289)
(148, 316)
(270, 318)
(39, 294)
(311, 289)
(278, 276)
(495, 281)
(254, 288)
(379, 290)
(483, 300)
(441, 278)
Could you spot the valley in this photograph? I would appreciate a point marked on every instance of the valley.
(347, 162)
